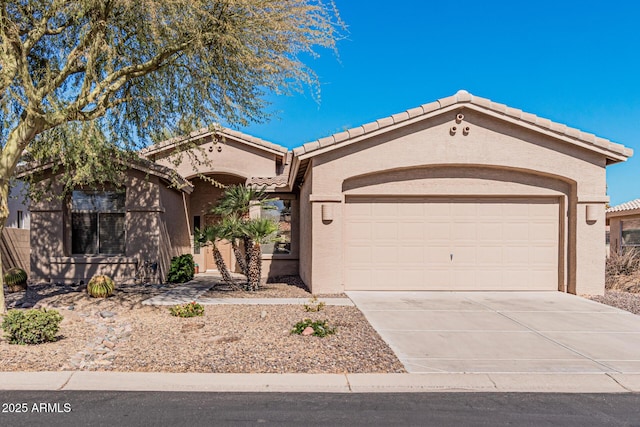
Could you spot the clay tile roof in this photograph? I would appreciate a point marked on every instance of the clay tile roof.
(464, 98)
(274, 182)
(627, 206)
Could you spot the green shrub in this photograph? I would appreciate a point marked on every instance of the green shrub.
(16, 279)
(100, 286)
(182, 269)
(321, 328)
(31, 326)
(191, 309)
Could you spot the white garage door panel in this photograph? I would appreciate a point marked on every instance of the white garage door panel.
(451, 244)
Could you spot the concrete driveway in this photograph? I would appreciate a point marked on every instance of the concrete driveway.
(503, 332)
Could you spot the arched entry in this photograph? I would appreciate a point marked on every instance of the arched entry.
(203, 199)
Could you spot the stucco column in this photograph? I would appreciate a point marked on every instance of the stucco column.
(327, 243)
(590, 245)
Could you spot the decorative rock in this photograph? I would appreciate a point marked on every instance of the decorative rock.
(263, 314)
(308, 331)
(105, 314)
(189, 327)
(27, 305)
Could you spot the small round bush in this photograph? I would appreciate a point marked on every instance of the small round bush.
(321, 328)
(182, 269)
(31, 326)
(100, 286)
(191, 309)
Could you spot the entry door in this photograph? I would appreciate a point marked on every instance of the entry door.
(224, 247)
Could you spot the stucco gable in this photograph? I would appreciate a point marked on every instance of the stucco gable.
(612, 151)
(165, 148)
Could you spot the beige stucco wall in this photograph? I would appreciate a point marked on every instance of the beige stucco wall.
(494, 157)
(175, 238)
(306, 235)
(47, 232)
(148, 237)
(229, 157)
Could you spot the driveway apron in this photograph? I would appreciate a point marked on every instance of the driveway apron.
(506, 332)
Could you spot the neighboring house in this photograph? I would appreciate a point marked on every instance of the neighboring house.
(624, 225)
(14, 242)
(459, 194)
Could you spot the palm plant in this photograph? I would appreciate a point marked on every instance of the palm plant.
(237, 200)
(259, 230)
(211, 234)
(231, 228)
(234, 206)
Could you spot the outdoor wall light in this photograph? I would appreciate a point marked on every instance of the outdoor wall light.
(592, 214)
(459, 117)
(327, 212)
(453, 130)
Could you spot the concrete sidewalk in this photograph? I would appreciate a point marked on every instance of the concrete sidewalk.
(321, 383)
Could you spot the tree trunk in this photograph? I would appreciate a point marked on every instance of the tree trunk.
(240, 257)
(222, 267)
(4, 214)
(248, 244)
(255, 266)
(18, 139)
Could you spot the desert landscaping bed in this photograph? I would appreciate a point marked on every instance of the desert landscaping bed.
(121, 334)
(620, 299)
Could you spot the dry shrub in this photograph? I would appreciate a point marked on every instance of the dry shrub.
(623, 271)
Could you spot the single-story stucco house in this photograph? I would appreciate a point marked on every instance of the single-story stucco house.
(459, 194)
(624, 226)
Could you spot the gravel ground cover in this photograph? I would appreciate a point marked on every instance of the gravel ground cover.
(623, 300)
(121, 334)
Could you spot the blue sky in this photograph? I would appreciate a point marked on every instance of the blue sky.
(573, 62)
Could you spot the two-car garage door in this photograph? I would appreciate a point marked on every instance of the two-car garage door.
(422, 243)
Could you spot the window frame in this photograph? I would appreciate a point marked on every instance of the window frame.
(290, 202)
(97, 211)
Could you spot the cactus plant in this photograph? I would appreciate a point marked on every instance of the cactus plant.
(16, 279)
(100, 286)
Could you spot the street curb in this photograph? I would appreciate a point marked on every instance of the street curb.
(322, 383)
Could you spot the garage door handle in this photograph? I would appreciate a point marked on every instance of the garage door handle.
(451, 256)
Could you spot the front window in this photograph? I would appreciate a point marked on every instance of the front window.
(630, 230)
(97, 222)
(280, 212)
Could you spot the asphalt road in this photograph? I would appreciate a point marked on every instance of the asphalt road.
(96, 408)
